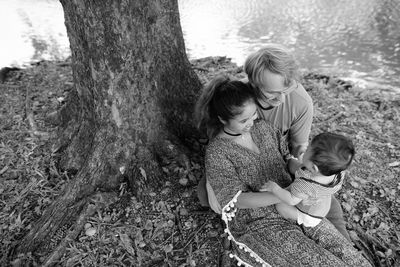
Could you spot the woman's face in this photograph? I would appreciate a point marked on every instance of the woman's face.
(243, 122)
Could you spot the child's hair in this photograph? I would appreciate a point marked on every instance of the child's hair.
(331, 153)
(275, 58)
(222, 98)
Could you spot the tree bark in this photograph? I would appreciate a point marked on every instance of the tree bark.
(134, 89)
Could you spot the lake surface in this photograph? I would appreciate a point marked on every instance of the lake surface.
(357, 39)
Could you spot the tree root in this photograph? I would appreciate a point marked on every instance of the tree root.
(29, 116)
(100, 201)
(57, 253)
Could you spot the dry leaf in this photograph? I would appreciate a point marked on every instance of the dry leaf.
(183, 212)
(126, 241)
(183, 181)
(354, 184)
(149, 225)
(143, 173)
(168, 248)
(346, 206)
(90, 231)
(394, 164)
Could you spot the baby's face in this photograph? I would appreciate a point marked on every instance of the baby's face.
(306, 160)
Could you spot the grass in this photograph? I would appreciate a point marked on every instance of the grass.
(168, 227)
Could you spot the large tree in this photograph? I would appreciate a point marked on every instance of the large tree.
(134, 90)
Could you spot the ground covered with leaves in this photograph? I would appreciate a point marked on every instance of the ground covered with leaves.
(168, 227)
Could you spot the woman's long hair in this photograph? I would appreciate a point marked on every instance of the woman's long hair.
(221, 99)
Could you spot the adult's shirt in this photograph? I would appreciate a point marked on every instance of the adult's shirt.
(293, 117)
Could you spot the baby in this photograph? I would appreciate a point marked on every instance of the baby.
(320, 174)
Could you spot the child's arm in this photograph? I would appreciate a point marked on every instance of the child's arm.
(247, 200)
(281, 193)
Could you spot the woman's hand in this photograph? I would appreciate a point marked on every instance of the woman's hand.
(269, 186)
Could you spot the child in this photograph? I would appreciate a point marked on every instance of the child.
(308, 199)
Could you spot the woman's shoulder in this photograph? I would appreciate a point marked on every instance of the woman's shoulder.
(218, 146)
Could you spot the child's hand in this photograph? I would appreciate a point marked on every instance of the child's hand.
(300, 157)
(269, 186)
(293, 165)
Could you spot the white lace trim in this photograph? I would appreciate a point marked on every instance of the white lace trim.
(228, 212)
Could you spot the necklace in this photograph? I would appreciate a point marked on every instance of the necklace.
(231, 134)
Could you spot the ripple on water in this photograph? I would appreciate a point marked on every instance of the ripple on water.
(341, 37)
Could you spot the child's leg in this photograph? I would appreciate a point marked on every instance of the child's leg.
(287, 211)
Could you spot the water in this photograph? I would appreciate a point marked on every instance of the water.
(357, 39)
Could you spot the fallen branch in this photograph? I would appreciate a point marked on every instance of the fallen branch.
(190, 239)
(29, 116)
(335, 117)
(10, 86)
(34, 132)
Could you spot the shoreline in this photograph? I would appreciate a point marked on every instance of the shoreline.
(362, 84)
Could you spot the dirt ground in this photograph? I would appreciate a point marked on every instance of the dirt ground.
(169, 227)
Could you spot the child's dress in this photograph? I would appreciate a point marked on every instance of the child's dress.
(316, 197)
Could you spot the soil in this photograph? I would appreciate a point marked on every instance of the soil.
(169, 227)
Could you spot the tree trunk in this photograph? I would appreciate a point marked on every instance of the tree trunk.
(134, 89)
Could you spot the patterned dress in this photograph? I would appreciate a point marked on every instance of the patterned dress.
(261, 237)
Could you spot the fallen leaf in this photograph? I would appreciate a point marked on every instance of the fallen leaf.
(212, 233)
(3, 170)
(107, 218)
(356, 218)
(149, 225)
(354, 184)
(394, 164)
(183, 212)
(90, 231)
(183, 181)
(168, 248)
(380, 254)
(346, 206)
(161, 206)
(389, 252)
(143, 173)
(126, 241)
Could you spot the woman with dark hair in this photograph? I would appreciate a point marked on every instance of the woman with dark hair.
(243, 154)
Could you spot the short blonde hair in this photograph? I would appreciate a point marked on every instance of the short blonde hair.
(275, 58)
